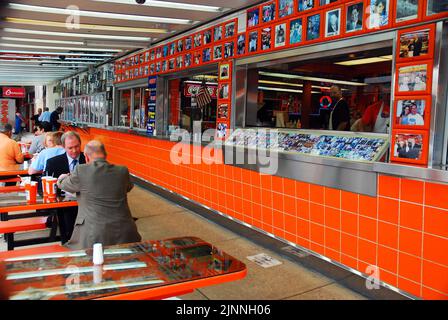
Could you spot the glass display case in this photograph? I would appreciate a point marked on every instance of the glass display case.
(366, 147)
(89, 109)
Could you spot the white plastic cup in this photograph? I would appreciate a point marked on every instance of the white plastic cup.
(98, 258)
(97, 274)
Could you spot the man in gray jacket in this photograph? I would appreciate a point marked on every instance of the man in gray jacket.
(103, 211)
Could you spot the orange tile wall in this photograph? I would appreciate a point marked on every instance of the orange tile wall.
(403, 231)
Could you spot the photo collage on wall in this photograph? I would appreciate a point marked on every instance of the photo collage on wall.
(410, 131)
(280, 24)
(224, 99)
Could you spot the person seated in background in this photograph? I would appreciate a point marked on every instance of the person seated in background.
(53, 148)
(10, 152)
(66, 163)
(103, 212)
(38, 142)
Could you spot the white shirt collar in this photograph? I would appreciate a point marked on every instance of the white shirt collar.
(70, 159)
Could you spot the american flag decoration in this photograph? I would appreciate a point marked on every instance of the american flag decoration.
(203, 96)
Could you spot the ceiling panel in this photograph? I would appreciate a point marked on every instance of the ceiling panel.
(98, 30)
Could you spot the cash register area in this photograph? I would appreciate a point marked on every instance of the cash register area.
(314, 279)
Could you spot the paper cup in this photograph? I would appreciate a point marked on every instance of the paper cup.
(51, 187)
(98, 258)
(44, 186)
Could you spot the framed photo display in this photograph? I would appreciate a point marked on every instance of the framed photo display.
(378, 13)
(280, 35)
(295, 31)
(412, 112)
(409, 146)
(285, 8)
(333, 22)
(414, 78)
(416, 43)
(407, 10)
(313, 27)
(354, 21)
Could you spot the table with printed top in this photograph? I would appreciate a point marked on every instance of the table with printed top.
(143, 270)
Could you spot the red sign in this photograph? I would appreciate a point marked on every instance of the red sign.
(192, 89)
(13, 92)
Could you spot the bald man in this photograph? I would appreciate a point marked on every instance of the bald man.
(340, 112)
(103, 211)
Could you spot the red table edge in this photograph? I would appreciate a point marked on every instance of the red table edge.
(11, 189)
(32, 251)
(35, 206)
(177, 288)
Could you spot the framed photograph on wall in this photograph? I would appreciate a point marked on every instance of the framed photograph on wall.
(241, 44)
(416, 43)
(407, 10)
(413, 78)
(280, 35)
(304, 5)
(266, 38)
(253, 41)
(188, 43)
(206, 55)
(313, 27)
(412, 112)
(223, 91)
(409, 146)
(197, 40)
(253, 17)
(207, 37)
(224, 71)
(285, 8)
(217, 33)
(295, 31)
(221, 130)
(378, 14)
(229, 30)
(333, 23)
(180, 45)
(325, 2)
(268, 12)
(229, 49)
(354, 17)
(436, 7)
(217, 52)
(223, 109)
(188, 59)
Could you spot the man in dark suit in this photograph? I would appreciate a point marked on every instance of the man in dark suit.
(103, 215)
(63, 164)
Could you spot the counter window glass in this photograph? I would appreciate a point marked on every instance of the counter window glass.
(124, 108)
(193, 100)
(140, 102)
(344, 92)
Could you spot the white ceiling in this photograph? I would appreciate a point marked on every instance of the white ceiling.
(35, 35)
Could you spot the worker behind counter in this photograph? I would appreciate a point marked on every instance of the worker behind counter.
(376, 118)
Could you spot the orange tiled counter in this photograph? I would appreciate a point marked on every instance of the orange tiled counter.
(403, 231)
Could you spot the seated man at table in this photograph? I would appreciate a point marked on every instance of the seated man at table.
(66, 163)
(53, 148)
(38, 142)
(10, 152)
(103, 211)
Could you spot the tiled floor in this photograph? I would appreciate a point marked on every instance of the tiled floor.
(159, 219)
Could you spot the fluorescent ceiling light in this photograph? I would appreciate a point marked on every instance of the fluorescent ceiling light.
(170, 5)
(77, 35)
(281, 83)
(20, 58)
(84, 26)
(13, 45)
(57, 62)
(357, 62)
(81, 43)
(293, 76)
(200, 82)
(34, 66)
(284, 90)
(58, 53)
(97, 14)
